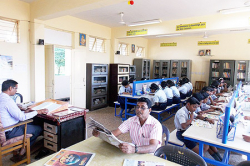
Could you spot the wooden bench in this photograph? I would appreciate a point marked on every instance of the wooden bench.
(173, 140)
(168, 109)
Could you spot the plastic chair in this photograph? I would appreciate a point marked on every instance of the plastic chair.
(199, 85)
(244, 163)
(180, 155)
(166, 132)
(16, 96)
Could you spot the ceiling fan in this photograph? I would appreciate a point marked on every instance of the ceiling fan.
(122, 21)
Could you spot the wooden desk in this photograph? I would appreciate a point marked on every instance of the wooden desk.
(64, 131)
(208, 136)
(106, 154)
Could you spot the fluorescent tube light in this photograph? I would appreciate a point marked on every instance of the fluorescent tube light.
(175, 34)
(235, 10)
(144, 22)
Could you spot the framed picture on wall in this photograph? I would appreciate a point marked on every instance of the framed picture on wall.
(82, 39)
(208, 52)
(132, 48)
(201, 52)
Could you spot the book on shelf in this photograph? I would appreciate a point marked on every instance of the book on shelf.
(129, 162)
(105, 134)
(50, 104)
(70, 157)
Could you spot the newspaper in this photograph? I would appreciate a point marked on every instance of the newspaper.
(129, 162)
(105, 134)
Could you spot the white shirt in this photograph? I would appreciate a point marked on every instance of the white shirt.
(187, 85)
(123, 89)
(141, 135)
(175, 91)
(160, 97)
(181, 116)
(204, 106)
(10, 113)
(183, 89)
(191, 85)
(168, 92)
(198, 109)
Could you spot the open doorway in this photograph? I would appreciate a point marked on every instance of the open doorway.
(58, 72)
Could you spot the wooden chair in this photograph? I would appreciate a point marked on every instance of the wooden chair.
(10, 145)
(199, 85)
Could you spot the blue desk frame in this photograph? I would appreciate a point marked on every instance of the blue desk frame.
(134, 96)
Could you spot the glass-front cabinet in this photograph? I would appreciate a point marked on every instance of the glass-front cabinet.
(174, 70)
(132, 71)
(222, 69)
(96, 85)
(242, 71)
(165, 65)
(123, 69)
(142, 68)
(122, 77)
(100, 69)
(185, 69)
(99, 90)
(156, 69)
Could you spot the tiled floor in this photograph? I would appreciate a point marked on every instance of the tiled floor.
(107, 118)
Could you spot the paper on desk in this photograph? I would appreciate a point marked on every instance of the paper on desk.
(129, 162)
(47, 105)
(201, 123)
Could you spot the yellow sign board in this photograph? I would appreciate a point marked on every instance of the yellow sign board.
(168, 44)
(203, 43)
(137, 32)
(198, 25)
(248, 41)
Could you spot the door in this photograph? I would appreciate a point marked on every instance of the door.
(57, 72)
(78, 77)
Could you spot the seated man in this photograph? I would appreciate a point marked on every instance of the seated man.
(145, 131)
(11, 114)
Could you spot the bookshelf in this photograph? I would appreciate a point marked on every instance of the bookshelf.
(161, 69)
(222, 68)
(180, 68)
(242, 71)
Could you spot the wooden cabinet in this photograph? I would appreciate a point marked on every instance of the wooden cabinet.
(132, 71)
(142, 68)
(118, 73)
(222, 68)
(161, 69)
(96, 86)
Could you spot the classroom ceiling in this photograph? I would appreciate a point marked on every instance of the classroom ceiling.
(154, 9)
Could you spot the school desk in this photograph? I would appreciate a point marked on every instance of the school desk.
(208, 136)
(106, 154)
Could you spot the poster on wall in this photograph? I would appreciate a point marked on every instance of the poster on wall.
(202, 43)
(137, 32)
(248, 41)
(132, 48)
(168, 44)
(82, 39)
(198, 25)
(6, 68)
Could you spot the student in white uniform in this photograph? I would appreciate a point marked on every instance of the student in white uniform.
(207, 108)
(168, 93)
(199, 97)
(189, 86)
(182, 121)
(160, 98)
(127, 90)
(182, 89)
(176, 93)
(222, 85)
(209, 90)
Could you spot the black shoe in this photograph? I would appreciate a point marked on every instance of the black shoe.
(42, 154)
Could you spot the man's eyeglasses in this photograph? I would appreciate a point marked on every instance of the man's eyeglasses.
(142, 108)
(14, 87)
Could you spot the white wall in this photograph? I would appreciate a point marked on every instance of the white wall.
(129, 58)
(19, 10)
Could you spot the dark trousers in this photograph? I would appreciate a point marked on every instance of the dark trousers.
(161, 106)
(176, 100)
(31, 129)
(169, 102)
(189, 93)
(121, 100)
(183, 96)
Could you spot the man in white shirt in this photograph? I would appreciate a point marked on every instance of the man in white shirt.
(145, 131)
(11, 114)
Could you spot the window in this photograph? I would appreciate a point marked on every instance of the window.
(123, 48)
(140, 51)
(9, 30)
(96, 44)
